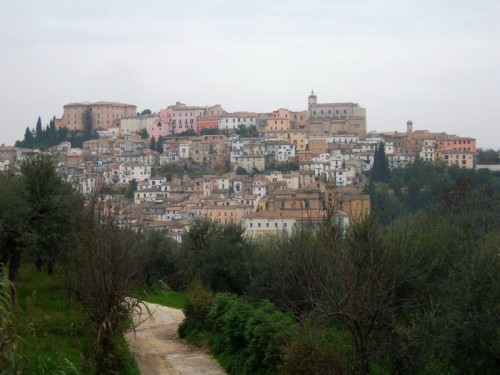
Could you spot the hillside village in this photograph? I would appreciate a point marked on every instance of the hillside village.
(267, 171)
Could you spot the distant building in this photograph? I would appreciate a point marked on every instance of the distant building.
(103, 115)
(335, 118)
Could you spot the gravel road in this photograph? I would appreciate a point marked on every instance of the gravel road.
(159, 350)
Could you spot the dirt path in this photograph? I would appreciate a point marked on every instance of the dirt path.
(159, 350)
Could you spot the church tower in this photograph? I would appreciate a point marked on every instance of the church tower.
(312, 100)
(409, 130)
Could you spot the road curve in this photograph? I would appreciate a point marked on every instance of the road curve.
(158, 349)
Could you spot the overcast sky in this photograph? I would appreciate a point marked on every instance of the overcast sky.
(434, 62)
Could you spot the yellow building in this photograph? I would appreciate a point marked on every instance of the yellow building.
(103, 115)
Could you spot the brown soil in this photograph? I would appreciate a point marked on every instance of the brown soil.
(159, 350)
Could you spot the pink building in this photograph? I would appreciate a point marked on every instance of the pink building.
(176, 119)
(179, 118)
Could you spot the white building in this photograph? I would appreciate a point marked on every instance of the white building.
(232, 121)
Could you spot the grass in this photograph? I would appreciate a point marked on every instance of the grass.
(161, 295)
(54, 334)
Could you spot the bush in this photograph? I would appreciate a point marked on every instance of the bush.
(249, 338)
(314, 351)
(196, 308)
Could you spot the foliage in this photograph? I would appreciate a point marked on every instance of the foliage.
(282, 167)
(160, 254)
(241, 171)
(488, 156)
(51, 333)
(161, 294)
(144, 133)
(50, 136)
(54, 206)
(315, 351)
(247, 131)
(197, 305)
(216, 254)
(208, 131)
(7, 334)
(187, 133)
(422, 185)
(105, 265)
(131, 189)
(145, 112)
(248, 338)
(380, 170)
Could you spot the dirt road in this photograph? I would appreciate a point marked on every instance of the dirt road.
(159, 350)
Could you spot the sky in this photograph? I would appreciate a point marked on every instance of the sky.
(436, 63)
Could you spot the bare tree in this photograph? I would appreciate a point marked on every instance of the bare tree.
(105, 266)
(352, 276)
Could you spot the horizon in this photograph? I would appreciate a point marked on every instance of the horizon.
(434, 63)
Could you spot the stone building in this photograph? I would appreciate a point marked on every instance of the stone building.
(102, 115)
(335, 118)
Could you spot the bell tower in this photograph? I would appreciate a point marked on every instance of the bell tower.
(409, 130)
(312, 100)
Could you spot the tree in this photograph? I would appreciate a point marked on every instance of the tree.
(159, 144)
(488, 156)
(14, 226)
(104, 265)
(380, 170)
(241, 171)
(38, 129)
(54, 206)
(152, 144)
(146, 112)
(28, 138)
(143, 133)
(351, 277)
(216, 254)
(132, 187)
(159, 252)
(87, 123)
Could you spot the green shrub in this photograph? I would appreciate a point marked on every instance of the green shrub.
(315, 351)
(248, 338)
(198, 301)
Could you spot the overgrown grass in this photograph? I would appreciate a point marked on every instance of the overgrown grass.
(54, 332)
(161, 295)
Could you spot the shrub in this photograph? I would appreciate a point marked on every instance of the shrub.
(315, 351)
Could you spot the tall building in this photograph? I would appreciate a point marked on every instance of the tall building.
(335, 118)
(101, 115)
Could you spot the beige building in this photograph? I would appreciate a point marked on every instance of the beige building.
(335, 118)
(459, 158)
(103, 115)
(249, 162)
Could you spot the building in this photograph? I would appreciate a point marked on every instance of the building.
(335, 118)
(136, 124)
(99, 115)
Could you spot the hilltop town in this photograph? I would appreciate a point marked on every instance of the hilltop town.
(266, 171)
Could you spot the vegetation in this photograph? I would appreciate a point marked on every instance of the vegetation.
(413, 288)
(247, 131)
(240, 171)
(488, 156)
(44, 138)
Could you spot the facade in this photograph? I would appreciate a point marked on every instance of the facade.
(233, 121)
(459, 158)
(136, 124)
(335, 118)
(103, 115)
